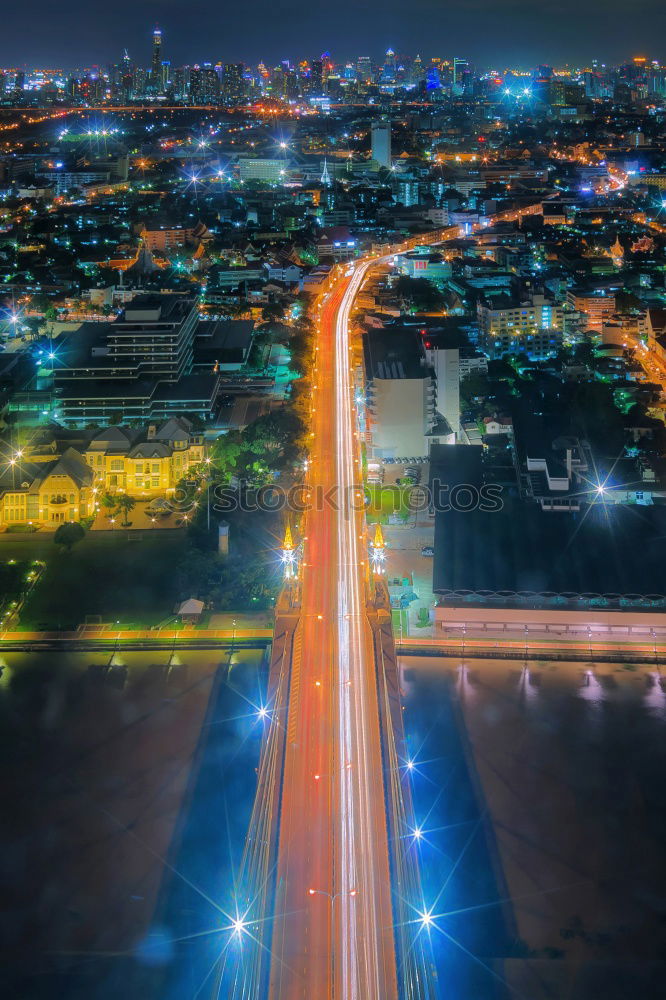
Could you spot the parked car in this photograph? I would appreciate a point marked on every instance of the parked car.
(428, 550)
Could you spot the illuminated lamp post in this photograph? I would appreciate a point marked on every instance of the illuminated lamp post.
(378, 551)
(289, 555)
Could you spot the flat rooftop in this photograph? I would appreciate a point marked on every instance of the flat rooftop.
(394, 354)
(604, 550)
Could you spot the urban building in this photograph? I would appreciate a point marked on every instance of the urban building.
(138, 367)
(500, 556)
(380, 134)
(204, 85)
(271, 171)
(534, 326)
(595, 307)
(424, 263)
(400, 394)
(57, 481)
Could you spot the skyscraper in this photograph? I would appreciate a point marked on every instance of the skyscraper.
(233, 83)
(461, 75)
(389, 68)
(156, 64)
(417, 73)
(364, 69)
(317, 77)
(204, 85)
(381, 142)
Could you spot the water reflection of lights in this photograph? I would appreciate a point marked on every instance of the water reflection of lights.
(654, 695)
(527, 689)
(591, 689)
(464, 684)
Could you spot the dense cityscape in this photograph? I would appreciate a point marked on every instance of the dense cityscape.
(332, 526)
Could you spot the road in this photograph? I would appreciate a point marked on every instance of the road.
(330, 812)
(333, 927)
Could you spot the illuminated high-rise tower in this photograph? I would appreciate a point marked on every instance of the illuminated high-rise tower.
(461, 76)
(389, 67)
(364, 69)
(156, 65)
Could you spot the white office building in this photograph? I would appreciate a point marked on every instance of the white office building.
(381, 143)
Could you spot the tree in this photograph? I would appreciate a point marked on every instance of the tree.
(420, 293)
(34, 324)
(69, 534)
(109, 502)
(583, 353)
(473, 386)
(273, 311)
(126, 504)
(227, 451)
(300, 350)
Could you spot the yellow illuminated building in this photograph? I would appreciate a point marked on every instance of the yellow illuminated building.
(52, 483)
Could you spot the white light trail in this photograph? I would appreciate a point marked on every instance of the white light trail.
(361, 967)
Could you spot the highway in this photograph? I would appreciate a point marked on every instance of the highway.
(333, 924)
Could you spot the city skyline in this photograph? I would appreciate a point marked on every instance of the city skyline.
(515, 34)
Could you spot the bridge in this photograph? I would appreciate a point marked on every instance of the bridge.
(329, 887)
(329, 899)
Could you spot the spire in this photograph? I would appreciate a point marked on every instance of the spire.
(378, 550)
(289, 555)
(379, 537)
(325, 176)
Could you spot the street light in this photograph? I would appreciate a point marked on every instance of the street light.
(332, 896)
(207, 462)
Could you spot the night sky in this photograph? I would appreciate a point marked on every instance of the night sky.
(71, 33)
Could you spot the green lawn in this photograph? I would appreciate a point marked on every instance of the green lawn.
(128, 577)
(387, 500)
(400, 620)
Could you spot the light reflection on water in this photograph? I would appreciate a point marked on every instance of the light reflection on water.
(161, 761)
(655, 698)
(567, 761)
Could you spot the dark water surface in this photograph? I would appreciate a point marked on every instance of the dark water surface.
(461, 876)
(557, 773)
(538, 797)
